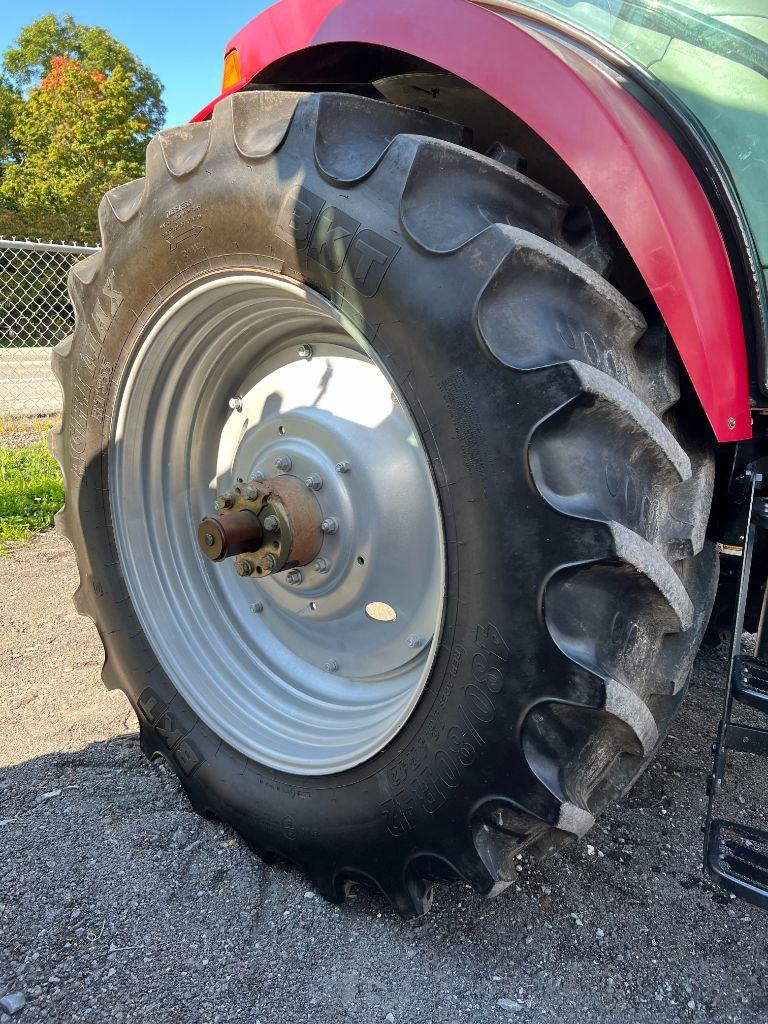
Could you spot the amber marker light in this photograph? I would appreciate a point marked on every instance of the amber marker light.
(231, 70)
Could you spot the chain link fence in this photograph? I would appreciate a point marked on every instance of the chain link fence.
(35, 314)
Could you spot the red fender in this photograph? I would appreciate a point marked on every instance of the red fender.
(629, 164)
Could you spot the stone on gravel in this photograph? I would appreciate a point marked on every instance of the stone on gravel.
(510, 1004)
(13, 1002)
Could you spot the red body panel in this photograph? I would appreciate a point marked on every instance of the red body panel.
(626, 160)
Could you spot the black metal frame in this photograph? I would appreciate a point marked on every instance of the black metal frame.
(736, 855)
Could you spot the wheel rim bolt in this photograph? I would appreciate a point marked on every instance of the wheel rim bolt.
(270, 562)
(258, 476)
(322, 565)
(294, 578)
(415, 641)
(305, 352)
(330, 525)
(224, 501)
(284, 463)
(257, 607)
(243, 567)
(343, 466)
(314, 481)
(236, 403)
(251, 493)
(331, 666)
(271, 523)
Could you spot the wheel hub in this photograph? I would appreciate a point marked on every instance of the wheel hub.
(268, 527)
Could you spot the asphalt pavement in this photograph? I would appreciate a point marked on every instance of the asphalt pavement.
(27, 384)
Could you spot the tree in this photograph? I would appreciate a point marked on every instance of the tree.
(29, 61)
(78, 134)
(10, 103)
(77, 110)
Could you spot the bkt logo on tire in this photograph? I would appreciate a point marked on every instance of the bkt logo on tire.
(166, 725)
(335, 240)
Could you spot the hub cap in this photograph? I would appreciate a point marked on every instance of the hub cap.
(240, 379)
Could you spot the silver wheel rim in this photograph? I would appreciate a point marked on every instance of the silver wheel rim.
(232, 374)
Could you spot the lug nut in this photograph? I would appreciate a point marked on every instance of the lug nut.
(224, 501)
(257, 607)
(314, 481)
(293, 578)
(305, 352)
(259, 477)
(243, 567)
(236, 403)
(284, 463)
(415, 641)
(342, 467)
(271, 523)
(322, 565)
(251, 492)
(330, 525)
(331, 666)
(270, 562)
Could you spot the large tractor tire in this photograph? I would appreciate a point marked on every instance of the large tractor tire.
(499, 575)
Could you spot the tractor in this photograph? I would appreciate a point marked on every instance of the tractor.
(414, 430)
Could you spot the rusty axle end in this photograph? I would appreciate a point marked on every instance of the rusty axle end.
(221, 537)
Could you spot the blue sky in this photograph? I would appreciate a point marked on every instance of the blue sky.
(183, 43)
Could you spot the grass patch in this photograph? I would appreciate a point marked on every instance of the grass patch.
(31, 492)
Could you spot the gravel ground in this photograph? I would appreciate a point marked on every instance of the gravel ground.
(117, 903)
(19, 431)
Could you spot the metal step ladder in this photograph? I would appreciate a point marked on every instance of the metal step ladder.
(736, 855)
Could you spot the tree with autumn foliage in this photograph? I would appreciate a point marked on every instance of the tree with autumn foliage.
(77, 109)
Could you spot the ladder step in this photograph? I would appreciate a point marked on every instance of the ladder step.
(737, 856)
(746, 739)
(750, 683)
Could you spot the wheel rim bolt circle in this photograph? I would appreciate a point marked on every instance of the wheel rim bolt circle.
(284, 463)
